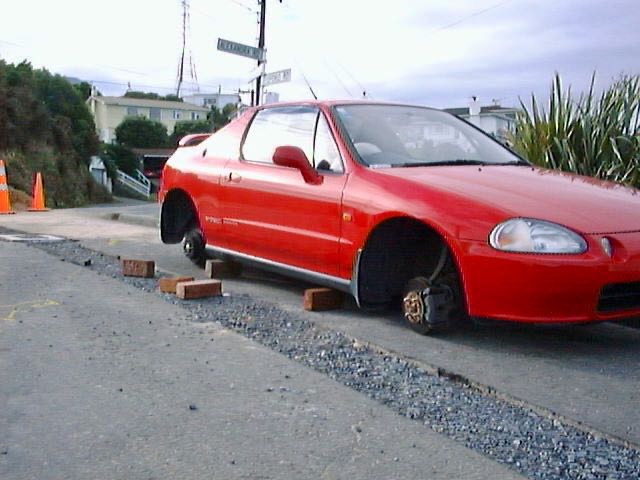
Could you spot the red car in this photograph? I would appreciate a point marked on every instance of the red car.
(409, 204)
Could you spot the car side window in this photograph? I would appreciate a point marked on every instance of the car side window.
(326, 156)
(278, 126)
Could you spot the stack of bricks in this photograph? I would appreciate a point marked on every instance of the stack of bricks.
(169, 284)
(199, 289)
(182, 286)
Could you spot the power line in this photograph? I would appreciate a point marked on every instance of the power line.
(135, 86)
(472, 15)
(362, 87)
(439, 29)
(353, 78)
(338, 78)
(240, 4)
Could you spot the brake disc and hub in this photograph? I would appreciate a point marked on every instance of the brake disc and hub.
(427, 307)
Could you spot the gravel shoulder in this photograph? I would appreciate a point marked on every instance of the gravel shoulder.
(102, 379)
(535, 445)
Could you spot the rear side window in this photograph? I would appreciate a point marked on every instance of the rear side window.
(274, 127)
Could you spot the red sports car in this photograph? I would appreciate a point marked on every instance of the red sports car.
(410, 204)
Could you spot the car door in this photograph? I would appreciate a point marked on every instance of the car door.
(270, 211)
(208, 162)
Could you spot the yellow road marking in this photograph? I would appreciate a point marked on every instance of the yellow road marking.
(25, 306)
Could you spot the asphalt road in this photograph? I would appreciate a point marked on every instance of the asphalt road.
(590, 375)
(101, 380)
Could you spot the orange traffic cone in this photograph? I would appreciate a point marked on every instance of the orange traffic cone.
(37, 204)
(5, 203)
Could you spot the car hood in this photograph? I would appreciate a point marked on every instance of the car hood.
(581, 203)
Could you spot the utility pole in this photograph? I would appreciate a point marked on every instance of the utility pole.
(184, 44)
(186, 27)
(263, 16)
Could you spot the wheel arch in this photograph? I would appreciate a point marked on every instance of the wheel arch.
(391, 228)
(177, 215)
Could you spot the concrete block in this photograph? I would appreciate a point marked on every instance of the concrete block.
(138, 268)
(317, 299)
(222, 269)
(199, 289)
(168, 284)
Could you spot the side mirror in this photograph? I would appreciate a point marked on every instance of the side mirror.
(193, 139)
(294, 157)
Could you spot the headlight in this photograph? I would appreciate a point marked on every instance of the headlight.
(535, 236)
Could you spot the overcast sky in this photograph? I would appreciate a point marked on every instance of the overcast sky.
(437, 52)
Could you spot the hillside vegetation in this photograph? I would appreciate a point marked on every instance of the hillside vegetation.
(45, 126)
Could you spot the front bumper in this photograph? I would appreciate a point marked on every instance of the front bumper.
(536, 288)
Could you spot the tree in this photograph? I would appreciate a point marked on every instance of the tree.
(229, 111)
(188, 127)
(67, 108)
(152, 96)
(84, 90)
(119, 157)
(45, 126)
(145, 95)
(220, 118)
(140, 132)
(171, 98)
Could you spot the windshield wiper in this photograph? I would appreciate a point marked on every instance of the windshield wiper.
(459, 161)
(441, 163)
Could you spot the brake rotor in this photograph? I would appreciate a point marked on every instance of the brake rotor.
(413, 307)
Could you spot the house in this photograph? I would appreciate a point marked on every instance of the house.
(494, 119)
(221, 100)
(208, 100)
(109, 112)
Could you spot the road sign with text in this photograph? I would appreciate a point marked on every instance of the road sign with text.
(240, 49)
(280, 76)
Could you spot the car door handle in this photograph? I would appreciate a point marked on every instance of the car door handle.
(233, 177)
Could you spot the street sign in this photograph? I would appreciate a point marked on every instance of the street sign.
(280, 76)
(240, 49)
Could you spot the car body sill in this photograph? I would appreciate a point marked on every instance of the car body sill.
(300, 273)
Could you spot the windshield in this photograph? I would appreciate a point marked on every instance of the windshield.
(403, 136)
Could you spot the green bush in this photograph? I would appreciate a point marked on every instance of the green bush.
(46, 127)
(188, 127)
(65, 184)
(594, 135)
(140, 132)
(119, 157)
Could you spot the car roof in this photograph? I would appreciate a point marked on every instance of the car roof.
(331, 103)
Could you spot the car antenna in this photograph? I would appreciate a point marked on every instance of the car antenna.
(309, 85)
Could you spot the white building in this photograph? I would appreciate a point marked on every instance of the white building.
(208, 100)
(270, 97)
(99, 173)
(494, 119)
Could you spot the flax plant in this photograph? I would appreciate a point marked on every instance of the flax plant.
(596, 134)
